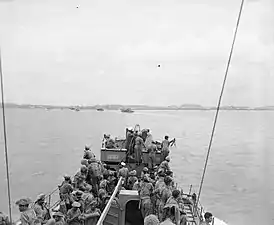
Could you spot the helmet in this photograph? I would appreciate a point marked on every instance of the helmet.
(84, 169)
(167, 180)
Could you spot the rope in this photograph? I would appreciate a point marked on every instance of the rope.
(5, 138)
(219, 103)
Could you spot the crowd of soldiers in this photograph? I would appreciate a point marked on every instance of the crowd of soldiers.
(84, 196)
(137, 142)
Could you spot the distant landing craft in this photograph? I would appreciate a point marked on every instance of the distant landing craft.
(127, 110)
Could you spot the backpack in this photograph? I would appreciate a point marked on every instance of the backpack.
(94, 169)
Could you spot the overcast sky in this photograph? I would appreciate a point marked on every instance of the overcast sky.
(107, 51)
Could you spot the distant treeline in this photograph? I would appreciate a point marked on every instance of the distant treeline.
(138, 107)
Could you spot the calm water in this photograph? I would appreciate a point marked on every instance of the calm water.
(239, 184)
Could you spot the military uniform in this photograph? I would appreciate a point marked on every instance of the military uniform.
(4, 219)
(42, 212)
(131, 180)
(28, 216)
(146, 190)
(152, 156)
(164, 195)
(74, 214)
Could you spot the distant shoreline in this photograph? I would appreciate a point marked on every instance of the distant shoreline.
(141, 107)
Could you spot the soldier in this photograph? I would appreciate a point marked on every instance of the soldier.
(165, 164)
(88, 154)
(41, 210)
(87, 196)
(129, 140)
(160, 184)
(144, 171)
(208, 218)
(104, 183)
(94, 172)
(165, 147)
(164, 195)
(74, 214)
(28, 215)
(131, 179)
(80, 177)
(149, 139)
(145, 192)
(65, 190)
(58, 219)
(78, 198)
(138, 148)
(112, 181)
(152, 156)
(4, 219)
(91, 214)
(137, 185)
(175, 200)
(123, 172)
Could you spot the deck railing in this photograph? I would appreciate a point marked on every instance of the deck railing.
(105, 212)
(198, 209)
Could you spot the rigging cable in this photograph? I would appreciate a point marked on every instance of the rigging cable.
(5, 138)
(219, 102)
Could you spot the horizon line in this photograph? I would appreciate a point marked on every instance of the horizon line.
(143, 105)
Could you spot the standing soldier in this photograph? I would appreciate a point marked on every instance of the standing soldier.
(65, 190)
(94, 172)
(164, 195)
(28, 216)
(138, 148)
(151, 156)
(129, 139)
(165, 147)
(123, 172)
(149, 139)
(42, 212)
(146, 190)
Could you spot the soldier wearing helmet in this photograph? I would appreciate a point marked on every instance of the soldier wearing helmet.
(80, 177)
(131, 179)
(166, 193)
(145, 192)
(144, 172)
(40, 208)
(165, 164)
(73, 215)
(138, 148)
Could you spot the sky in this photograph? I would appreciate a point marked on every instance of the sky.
(88, 52)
